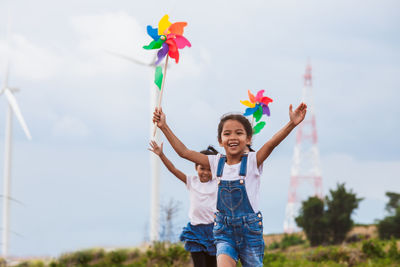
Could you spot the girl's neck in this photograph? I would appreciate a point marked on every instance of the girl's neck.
(233, 159)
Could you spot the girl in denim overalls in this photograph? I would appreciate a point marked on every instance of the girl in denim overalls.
(198, 234)
(238, 229)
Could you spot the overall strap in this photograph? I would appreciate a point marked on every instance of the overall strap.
(242, 170)
(243, 166)
(221, 164)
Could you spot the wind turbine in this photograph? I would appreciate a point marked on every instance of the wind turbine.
(13, 108)
(154, 161)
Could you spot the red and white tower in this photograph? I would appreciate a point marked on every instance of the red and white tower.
(306, 167)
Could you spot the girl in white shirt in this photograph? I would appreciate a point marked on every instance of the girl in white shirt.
(198, 234)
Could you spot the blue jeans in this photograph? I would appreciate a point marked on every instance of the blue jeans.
(240, 238)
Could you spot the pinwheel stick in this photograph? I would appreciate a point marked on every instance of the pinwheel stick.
(161, 92)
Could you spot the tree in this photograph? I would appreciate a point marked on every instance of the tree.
(329, 221)
(394, 202)
(390, 226)
(312, 220)
(169, 212)
(340, 206)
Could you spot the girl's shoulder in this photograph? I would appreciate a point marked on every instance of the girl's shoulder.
(196, 186)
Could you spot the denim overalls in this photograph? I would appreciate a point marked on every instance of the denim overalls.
(238, 230)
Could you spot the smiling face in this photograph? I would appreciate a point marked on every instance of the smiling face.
(234, 138)
(204, 173)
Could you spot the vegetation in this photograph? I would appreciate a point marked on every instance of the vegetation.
(372, 252)
(390, 226)
(324, 222)
(287, 241)
(328, 222)
(312, 220)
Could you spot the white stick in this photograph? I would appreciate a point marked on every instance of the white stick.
(161, 93)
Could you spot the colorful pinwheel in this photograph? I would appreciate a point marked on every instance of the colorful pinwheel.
(257, 106)
(169, 37)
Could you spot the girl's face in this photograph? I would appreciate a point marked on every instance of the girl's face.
(234, 138)
(204, 173)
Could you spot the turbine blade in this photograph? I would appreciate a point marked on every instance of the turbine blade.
(130, 59)
(6, 74)
(14, 105)
(8, 47)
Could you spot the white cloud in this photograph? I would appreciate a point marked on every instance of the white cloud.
(29, 60)
(68, 126)
(116, 32)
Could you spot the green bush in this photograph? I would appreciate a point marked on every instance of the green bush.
(393, 251)
(116, 256)
(273, 245)
(326, 254)
(274, 259)
(79, 258)
(373, 249)
(291, 240)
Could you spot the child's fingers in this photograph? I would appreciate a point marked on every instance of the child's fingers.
(151, 146)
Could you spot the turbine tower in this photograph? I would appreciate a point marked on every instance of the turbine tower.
(305, 166)
(154, 161)
(13, 108)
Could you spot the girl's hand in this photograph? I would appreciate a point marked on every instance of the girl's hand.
(158, 150)
(159, 117)
(298, 115)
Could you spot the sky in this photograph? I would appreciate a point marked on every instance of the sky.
(84, 179)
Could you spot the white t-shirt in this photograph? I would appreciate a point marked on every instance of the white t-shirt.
(231, 172)
(203, 200)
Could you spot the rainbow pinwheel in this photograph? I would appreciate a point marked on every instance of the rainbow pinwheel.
(169, 37)
(257, 106)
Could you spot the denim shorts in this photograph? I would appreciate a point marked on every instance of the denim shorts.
(240, 238)
(199, 238)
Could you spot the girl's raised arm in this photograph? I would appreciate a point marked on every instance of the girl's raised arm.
(179, 147)
(158, 150)
(296, 117)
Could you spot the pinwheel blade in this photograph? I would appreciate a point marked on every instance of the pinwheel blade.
(251, 97)
(258, 113)
(163, 25)
(258, 127)
(177, 28)
(173, 50)
(154, 44)
(250, 111)
(162, 53)
(181, 42)
(265, 110)
(14, 105)
(153, 32)
(259, 95)
(247, 103)
(158, 77)
(266, 100)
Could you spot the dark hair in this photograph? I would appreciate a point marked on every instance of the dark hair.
(209, 151)
(236, 117)
(250, 149)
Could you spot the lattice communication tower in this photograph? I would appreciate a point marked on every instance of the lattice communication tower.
(306, 165)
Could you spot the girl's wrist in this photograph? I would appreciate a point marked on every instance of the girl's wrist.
(292, 124)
